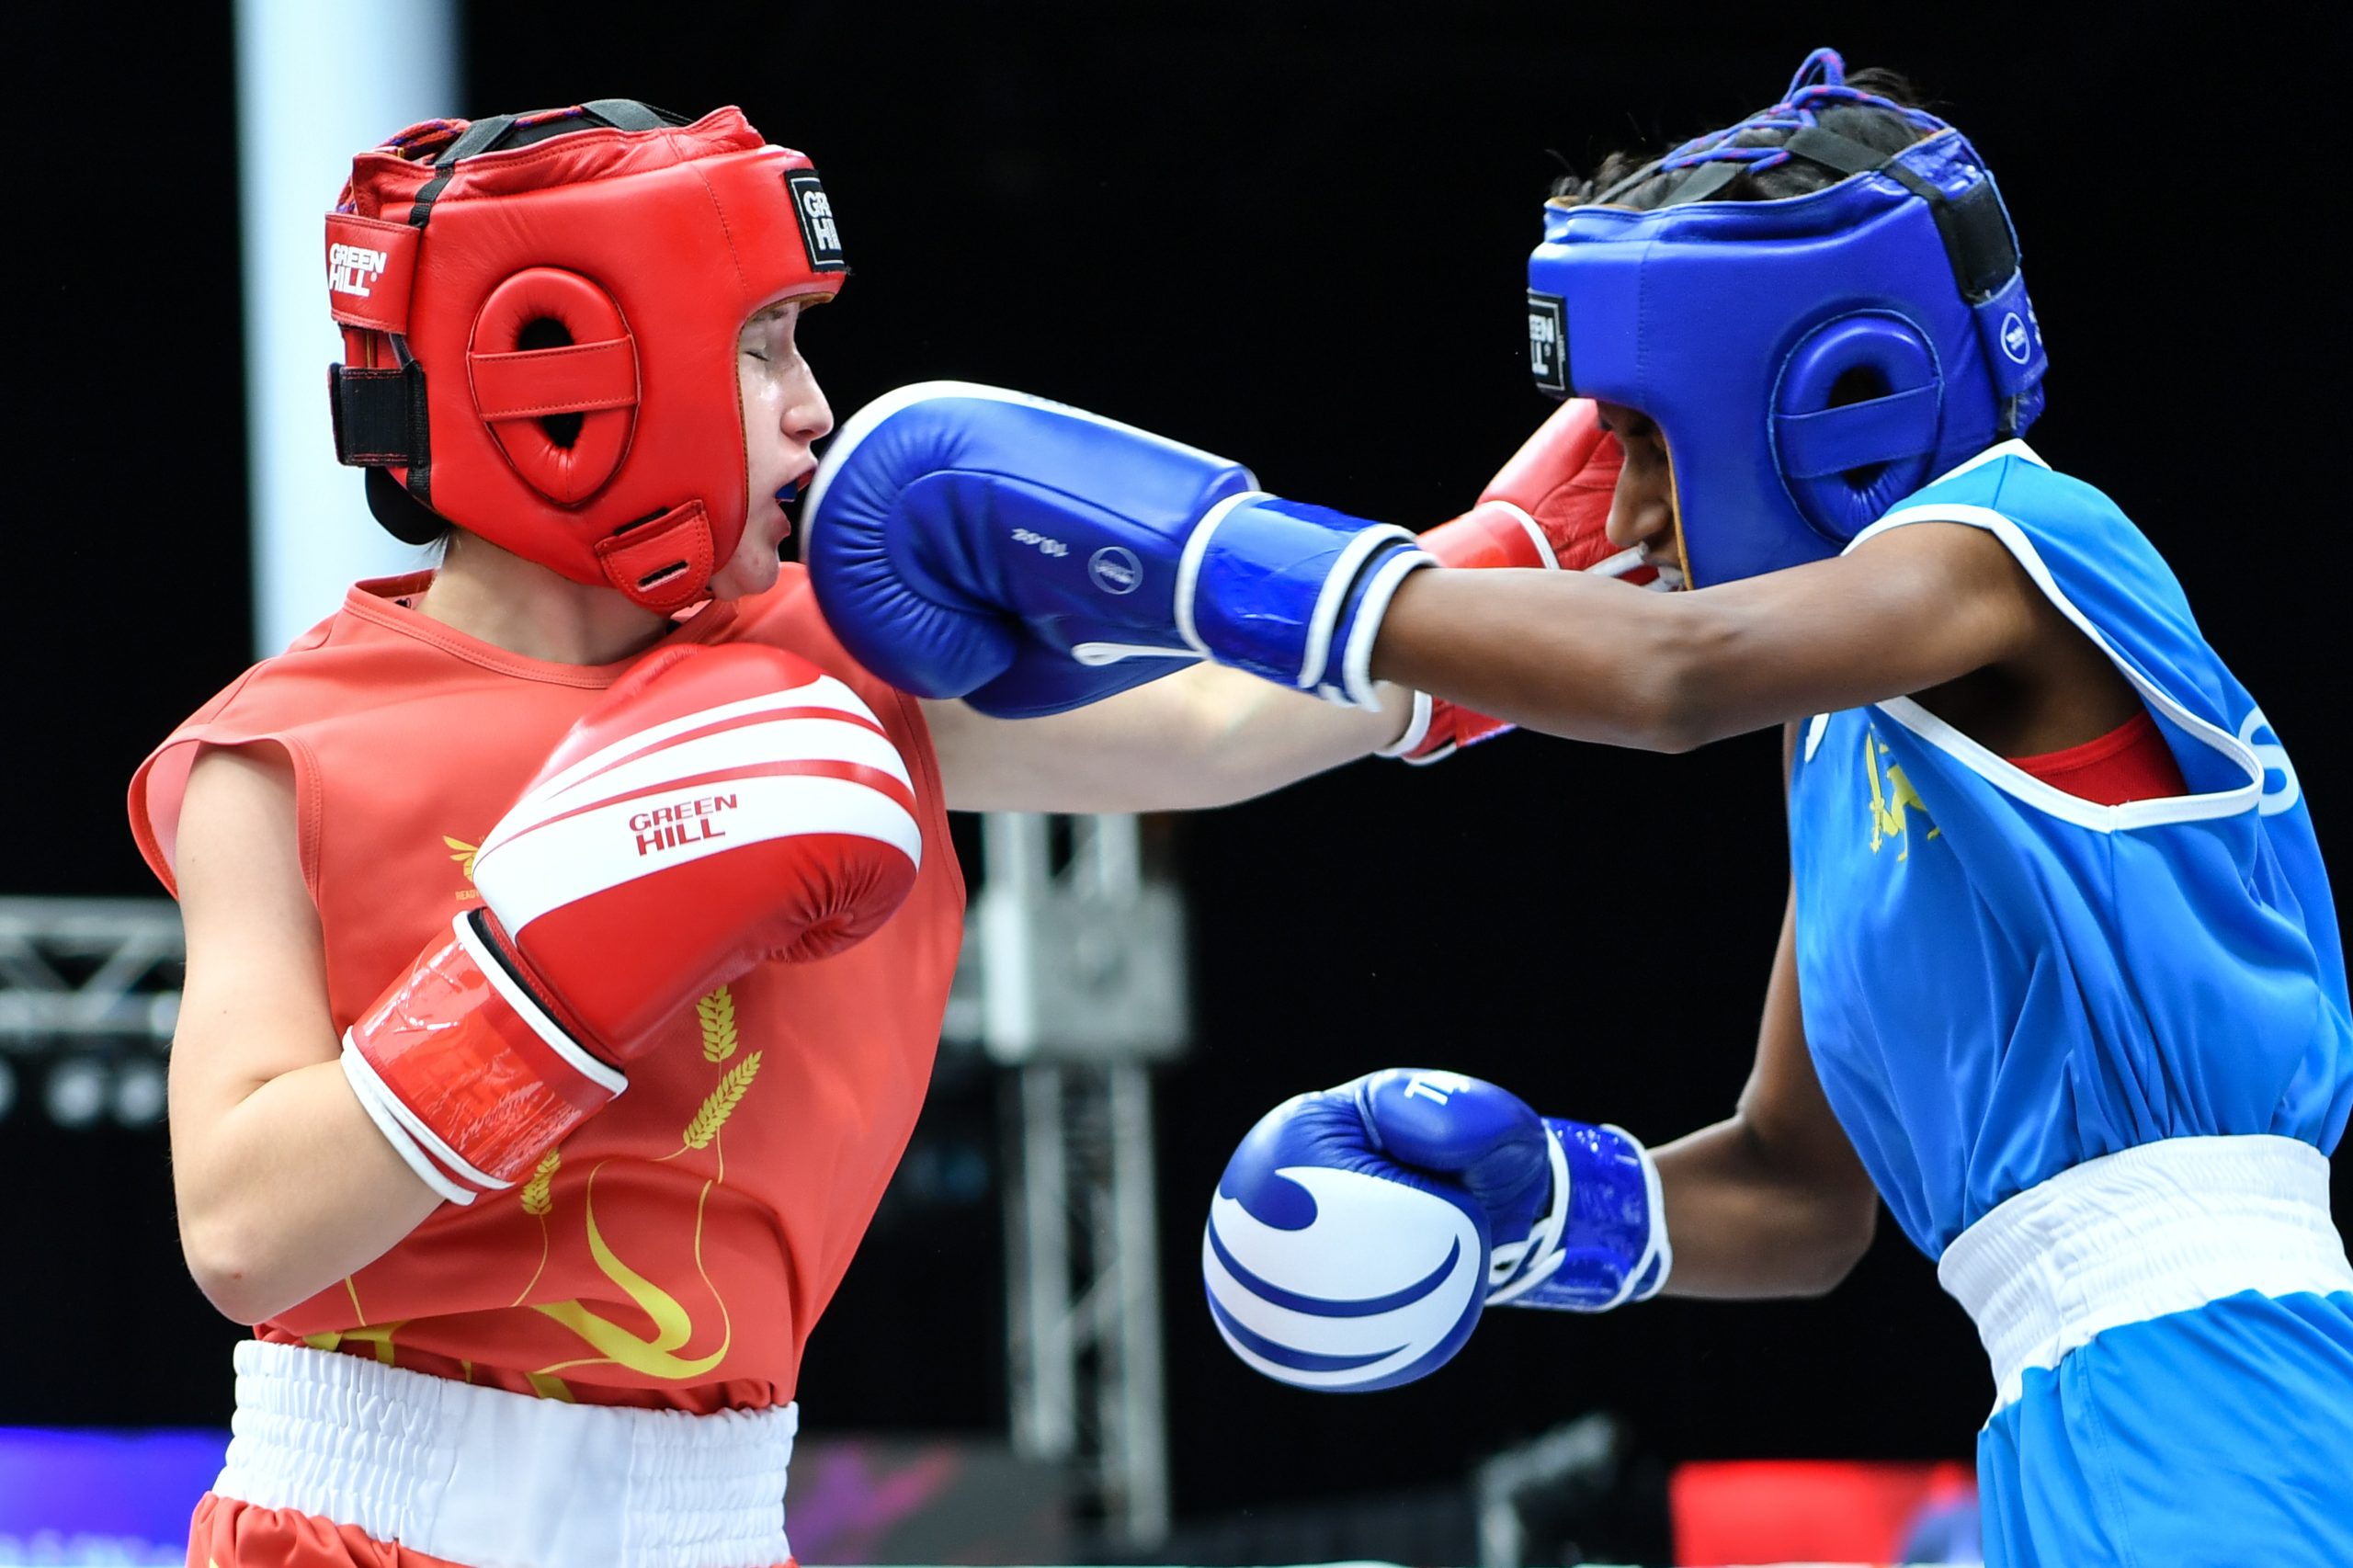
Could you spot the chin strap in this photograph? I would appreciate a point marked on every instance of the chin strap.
(665, 562)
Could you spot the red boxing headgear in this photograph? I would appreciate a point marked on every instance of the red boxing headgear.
(540, 318)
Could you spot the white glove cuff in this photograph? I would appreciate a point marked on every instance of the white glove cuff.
(402, 1130)
(1364, 624)
(1661, 1251)
(1417, 729)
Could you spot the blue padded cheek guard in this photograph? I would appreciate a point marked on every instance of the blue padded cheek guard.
(1811, 360)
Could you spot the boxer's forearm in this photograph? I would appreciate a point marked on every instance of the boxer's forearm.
(1745, 1225)
(293, 1190)
(1566, 653)
(1248, 737)
(1205, 736)
(1577, 655)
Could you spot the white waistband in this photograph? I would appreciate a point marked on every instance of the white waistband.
(2131, 1237)
(499, 1480)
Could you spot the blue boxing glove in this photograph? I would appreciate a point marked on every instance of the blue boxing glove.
(1359, 1231)
(968, 541)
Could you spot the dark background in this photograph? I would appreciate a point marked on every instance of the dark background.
(1293, 234)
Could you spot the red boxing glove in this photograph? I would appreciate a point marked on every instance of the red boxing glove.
(1548, 508)
(718, 808)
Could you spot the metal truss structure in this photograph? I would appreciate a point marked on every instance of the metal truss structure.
(91, 986)
(88, 969)
(1078, 972)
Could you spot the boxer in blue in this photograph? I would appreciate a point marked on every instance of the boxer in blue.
(2061, 979)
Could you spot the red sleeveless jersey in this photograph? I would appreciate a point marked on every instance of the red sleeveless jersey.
(677, 1249)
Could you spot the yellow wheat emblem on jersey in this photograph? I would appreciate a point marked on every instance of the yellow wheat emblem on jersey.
(721, 1104)
(1890, 804)
(716, 1013)
(463, 854)
(539, 1202)
(537, 1198)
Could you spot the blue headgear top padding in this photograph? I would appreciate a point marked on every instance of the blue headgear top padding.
(1811, 360)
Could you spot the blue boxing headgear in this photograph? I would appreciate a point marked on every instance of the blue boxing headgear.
(1811, 360)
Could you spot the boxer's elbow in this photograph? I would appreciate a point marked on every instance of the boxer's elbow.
(1842, 1227)
(235, 1262)
(1829, 1213)
(256, 1254)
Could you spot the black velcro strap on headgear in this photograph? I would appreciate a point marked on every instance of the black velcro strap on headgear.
(1711, 178)
(379, 416)
(479, 137)
(1819, 144)
(1974, 226)
(628, 114)
(1815, 143)
(503, 133)
(1977, 236)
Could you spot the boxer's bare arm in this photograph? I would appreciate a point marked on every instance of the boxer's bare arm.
(1204, 737)
(284, 1185)
(1771, 1201)
(1909, 612)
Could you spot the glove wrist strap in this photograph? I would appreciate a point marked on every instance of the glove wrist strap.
(1603, 1242)
(1540, 1256)
(1292, 593)
(465, 1074)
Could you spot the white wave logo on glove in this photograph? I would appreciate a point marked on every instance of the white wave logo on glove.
(1381, 1281)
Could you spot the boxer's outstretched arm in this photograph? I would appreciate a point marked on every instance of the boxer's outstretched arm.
(1771, 1201)
(1594, 660)
(283, 1185)
(1204, 737)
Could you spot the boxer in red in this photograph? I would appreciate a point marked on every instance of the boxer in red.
(569, 925)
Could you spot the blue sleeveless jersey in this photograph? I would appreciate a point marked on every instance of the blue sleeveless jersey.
(2000, 980)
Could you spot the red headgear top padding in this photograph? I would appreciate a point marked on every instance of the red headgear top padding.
(541, 316)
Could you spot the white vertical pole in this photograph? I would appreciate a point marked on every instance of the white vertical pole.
(316, 84)
(1016, 848)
